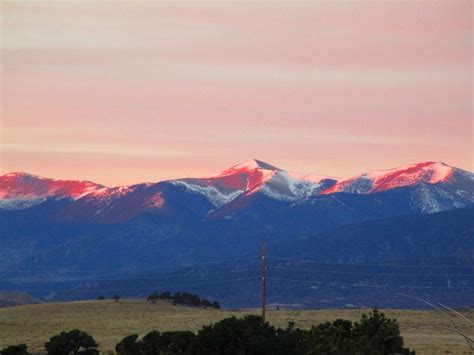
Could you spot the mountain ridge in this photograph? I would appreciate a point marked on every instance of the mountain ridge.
(248, 165)
(232, 190)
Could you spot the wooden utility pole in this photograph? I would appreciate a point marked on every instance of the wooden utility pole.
(264, 279)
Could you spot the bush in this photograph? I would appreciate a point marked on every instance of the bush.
(376, 332)
(329, 338)
(185, 298)
(373, 334)
(20, 349)
(166, 296)
(178, 342)
(100, 298)
(290, 340)
(128, 346)
(238, 336)
(153, 297)
(157, 343)
(74, 342)
(116, 298)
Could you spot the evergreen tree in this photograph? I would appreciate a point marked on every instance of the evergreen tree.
(20, 349)
(153, 297)
(128, 346)
(74, 342)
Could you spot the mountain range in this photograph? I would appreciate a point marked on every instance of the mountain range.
(437, 187)
(51, 229)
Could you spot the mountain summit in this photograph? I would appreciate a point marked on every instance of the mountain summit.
(20, 190)
(249, 165)
(382, 180)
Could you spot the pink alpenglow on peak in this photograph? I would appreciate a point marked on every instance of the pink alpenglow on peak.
(249, 165)
(23, 185)
(244, 176)
(383, 180)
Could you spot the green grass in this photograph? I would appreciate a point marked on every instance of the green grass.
(108, 322)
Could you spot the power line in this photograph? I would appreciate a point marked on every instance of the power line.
(370, 285)
(292, 280)
(367, 273)
(181, 266)
(369, 264)
(99, 271)
(145, 288)
(419, 287)
(235, 271)
(196, 274)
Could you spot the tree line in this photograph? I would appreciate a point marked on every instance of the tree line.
(373, 334)
(185, 298)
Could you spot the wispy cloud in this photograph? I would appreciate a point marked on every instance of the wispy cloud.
(183, 88)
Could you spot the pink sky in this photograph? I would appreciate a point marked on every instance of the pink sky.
(120, 93)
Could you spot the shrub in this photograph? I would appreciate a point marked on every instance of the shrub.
(329, 338)
(116, 298)
(178, 342)
(157, 343)
(237, 336)
(375, 332)
(153, 297)
(128, 346)
(185, 298)
(74, 342)
(165, 296)
(20, 349)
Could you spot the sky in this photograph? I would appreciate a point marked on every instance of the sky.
(127, 92)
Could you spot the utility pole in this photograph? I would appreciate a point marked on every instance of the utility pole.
(264, 280)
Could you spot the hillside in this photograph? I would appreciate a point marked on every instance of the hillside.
(54, 224)
(442, 238)
(405, 254)
(8, 299)
(109, 322)
(76, 239)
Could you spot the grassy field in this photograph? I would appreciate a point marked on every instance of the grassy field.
(109, 322)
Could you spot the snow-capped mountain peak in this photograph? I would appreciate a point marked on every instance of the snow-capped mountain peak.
(250, 165)
(21, 174)
(20, 190)
(227, 185)
(383, 180)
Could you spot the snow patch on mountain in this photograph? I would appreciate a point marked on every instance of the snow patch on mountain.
(215, 196)
(247, 166)
(433, 199)
(20, 203)
(155, 201)
(268, 191)
(290, 186)
(383, 180)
